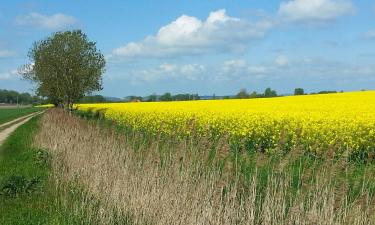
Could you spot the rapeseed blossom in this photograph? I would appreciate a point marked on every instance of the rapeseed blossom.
(344, 121)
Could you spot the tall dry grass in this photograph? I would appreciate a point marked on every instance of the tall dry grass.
(174, 183)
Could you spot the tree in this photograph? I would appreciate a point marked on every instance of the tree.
(254, 94)
(268, 93)
(152, 98)
(12, 97)
(65, 67)
(299, 91)
(133, 98)
(93, 99)
(242, 94)
(184, 97)
(166, 97)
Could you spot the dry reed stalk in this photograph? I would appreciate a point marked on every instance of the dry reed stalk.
(175, 186)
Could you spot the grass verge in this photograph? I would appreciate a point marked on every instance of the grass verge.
(159, 181)
(30, 191)
(7, 115)
(24, 193)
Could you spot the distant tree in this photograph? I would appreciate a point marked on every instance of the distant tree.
(268, 93)
(185, 97)
(254, 94)
(65, 67)
(152, 98)
(133, 98)
(299, 91)
(13, 97)
(196, 97)
(242, 94)
(182, 97)
(327, 92)
(93, 99)
(166, 97)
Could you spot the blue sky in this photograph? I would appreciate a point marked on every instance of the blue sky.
(204, 47)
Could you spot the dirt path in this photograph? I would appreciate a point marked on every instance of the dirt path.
(14, 124)
(17, 119)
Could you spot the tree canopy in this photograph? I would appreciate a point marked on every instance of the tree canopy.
(13, 97)
(65, 67)
(299, 91)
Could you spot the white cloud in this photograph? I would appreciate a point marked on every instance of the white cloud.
(328, 69)
(234, 64)
(167, 71)
(189, 35)
(8, 75)
(369, 34)
(238, 68)
(282, 60)
(314, 11)
(51, 22)
(6, 53)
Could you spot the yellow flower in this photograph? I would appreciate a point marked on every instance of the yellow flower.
(343, 120)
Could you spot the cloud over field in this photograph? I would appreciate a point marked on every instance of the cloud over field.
(189, 35)
(168, 71)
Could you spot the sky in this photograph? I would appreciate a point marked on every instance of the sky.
(204, 46)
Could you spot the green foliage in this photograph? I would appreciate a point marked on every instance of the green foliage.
(254, 94)
(169, 97)
(185, 97)
(13, 97)
(23, 199)
(268, 93)
(299, 91)
(93, 99)
(15, 185)
(242, 94)
(166, 97)
(133, 98)
(152, 98)
(324, 92)
(65, 67)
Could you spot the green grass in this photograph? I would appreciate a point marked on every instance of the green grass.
(7, 115)
(28, 192)
(24, 194)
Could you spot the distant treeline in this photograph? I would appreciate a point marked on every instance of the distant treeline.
(164, 97)
(151, 98)
(242, 94)
(268, 93)
(14, 97)
(94, 99)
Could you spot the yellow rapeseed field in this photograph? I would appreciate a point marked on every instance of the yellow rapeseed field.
(344, 122)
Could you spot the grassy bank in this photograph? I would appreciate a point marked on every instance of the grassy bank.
(30, 193)
(156, 181)
(7, 115)
(25, 196)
